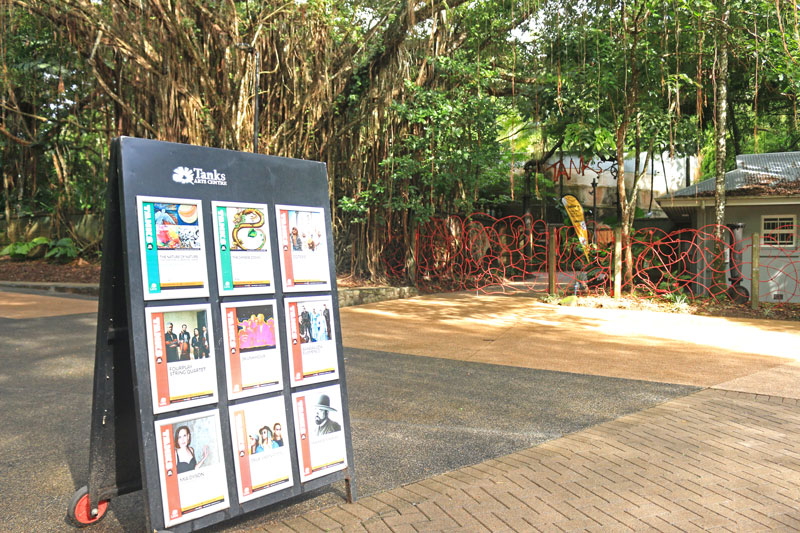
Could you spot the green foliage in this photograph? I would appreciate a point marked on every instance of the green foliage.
(452, 161)
(60, 250)
(469, 87)
(61, 121)
(18, 251)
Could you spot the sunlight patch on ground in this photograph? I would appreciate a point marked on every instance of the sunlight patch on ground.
(724, 333)
(21, 306)
(430, 318)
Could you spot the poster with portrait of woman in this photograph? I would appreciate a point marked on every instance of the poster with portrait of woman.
(181, 356)
(172, 247)
(262, 458)
(319, 433)
(191, 466)
(252, 348)
(244, 254)
(312, 343)
(303, 245)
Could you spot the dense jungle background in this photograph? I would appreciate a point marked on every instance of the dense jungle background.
(419, 108)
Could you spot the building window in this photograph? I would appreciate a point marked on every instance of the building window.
(779, 231)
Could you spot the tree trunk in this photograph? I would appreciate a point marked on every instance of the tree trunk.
(721, 131)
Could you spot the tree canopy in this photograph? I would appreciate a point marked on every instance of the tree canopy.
(418, 108)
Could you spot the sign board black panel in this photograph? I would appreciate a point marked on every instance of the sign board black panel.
(218, 268)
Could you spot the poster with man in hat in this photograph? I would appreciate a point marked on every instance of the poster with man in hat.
(325, 424)
(318, 429)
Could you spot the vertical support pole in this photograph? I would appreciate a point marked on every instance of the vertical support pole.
(617, 263)
(755, 273)
(551, 262)
(348, 489)
(256, 75)
(594, 209)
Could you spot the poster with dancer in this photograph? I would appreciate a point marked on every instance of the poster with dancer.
(318, 430)
(304, 248)
(312, 345)
(181, 357)
(244, 255)
(252, 348)
(191, 466)
(262, 458)
(172, 248)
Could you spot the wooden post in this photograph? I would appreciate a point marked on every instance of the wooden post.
(617, 263)
(551, 262)
(411, 255)
(755, 272)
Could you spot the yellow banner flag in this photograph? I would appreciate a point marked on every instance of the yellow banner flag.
(575, 212)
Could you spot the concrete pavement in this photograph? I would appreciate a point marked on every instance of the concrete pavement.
(726, 458)
(520, 417)
(712, 461)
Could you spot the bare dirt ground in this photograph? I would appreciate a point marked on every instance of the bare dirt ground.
(82, 271)
(38, 270)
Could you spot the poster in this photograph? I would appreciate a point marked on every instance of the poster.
(172, 248)
(319, 431)
(244, 254)
(303, 248)
(312, 343)
(181, 356)
(252, 348)
(262, 458)
(191, 466)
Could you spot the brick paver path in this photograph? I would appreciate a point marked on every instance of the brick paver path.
(713, 461)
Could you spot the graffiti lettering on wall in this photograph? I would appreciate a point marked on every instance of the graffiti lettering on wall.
(580, 166)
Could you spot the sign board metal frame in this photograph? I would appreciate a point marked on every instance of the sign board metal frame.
(123, 455)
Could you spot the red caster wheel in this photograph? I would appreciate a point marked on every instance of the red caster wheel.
(79, 512)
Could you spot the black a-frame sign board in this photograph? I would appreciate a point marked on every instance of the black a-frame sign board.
(219, 383)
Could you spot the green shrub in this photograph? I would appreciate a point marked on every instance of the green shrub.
(62, 250)
(18, 251)
(58, 250)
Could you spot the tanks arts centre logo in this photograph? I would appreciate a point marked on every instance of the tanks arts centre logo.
(198, 176)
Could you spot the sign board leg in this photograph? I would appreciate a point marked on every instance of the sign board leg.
(114, 449)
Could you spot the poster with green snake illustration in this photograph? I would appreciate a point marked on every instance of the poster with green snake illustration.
(241, 238)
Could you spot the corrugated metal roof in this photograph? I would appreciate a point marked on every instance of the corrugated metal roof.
(756, 174)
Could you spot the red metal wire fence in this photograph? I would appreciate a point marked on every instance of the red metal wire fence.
(500, 255)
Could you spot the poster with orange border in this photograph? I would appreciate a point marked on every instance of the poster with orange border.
(191, 466)
(252, 348)
(303, 248)
(181, 356)
(261, 450)
(319, 433)
(172, 245)
(311, 340)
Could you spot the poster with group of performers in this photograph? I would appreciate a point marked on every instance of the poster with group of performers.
(181, 357)
(263, 462)
(312, 346)
(252, 348)
(304, 248)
